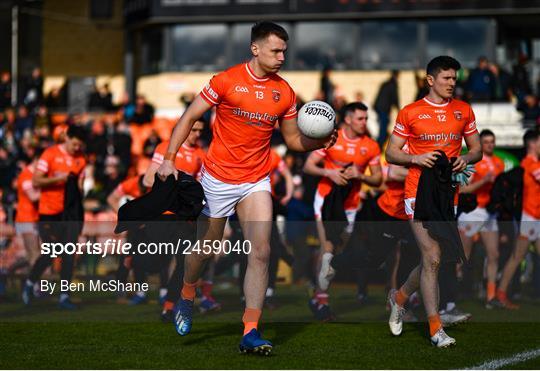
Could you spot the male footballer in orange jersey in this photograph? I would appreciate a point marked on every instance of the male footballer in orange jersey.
(479, 220)
(345, 162)
(436, 122)
(529, 229)
(27, 211)
(189, 157)
(52, 171)
(249, 98)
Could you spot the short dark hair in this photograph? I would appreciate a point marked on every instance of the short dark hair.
(351, 107)
(261, 30)
(76, 131)
(442, 63)
(486, 133)
(530, 136)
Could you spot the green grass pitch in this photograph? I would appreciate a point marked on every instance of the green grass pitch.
(104, 334)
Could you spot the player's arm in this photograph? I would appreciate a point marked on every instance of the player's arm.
(395, 155)
(41, 180)
(300, 143)
(149, 175)
(477, 184)
(31, 192)
(80, 181)
(472, 156)
(311, 167)
(397, 173)
(180, 132)
(289, 185)
(114, 199)
(375, 178)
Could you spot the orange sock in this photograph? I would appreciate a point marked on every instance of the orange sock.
(434, 324)
(251, 319)
(401, 297)
(491, 288)
(168, 305)
(188, 291)
(501, 295)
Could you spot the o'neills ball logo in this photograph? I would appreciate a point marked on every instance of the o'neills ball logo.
(276, 95)
(457, 115)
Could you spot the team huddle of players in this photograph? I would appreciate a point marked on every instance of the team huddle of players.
(235, 178)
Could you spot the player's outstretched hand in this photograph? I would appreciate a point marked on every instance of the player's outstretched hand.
(332, 139)
(425, 160)
(459, 165)
(165, 169)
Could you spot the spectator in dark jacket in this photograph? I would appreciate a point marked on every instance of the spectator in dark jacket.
(144, 112)
(23, 122)
(530, 110)
(5, 90)
(480, 85)
(33, 93)
(387, 97)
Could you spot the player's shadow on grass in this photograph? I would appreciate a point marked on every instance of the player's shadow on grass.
(211, 332)
(282, 332)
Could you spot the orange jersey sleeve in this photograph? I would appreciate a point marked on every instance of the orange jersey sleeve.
(129, 187)
(488, 164)
(531, 186)
(429, 127)
(392, 200)
(27, 211)
(54, 161)
(247, 110)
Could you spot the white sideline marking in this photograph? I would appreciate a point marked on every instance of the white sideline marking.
(516, 358)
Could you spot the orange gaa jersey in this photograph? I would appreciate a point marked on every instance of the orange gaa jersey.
(276, 165)
(188, 159)
(531, 186)
(130, 187)
(27, 211)
(247, 109)
(360, 152)
(488, 164)
(54, 161)
(428, 127)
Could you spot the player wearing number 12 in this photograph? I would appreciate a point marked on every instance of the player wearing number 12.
(435, 123)
(250, 99)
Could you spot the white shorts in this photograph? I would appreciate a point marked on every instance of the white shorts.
(317, 207)
(25, 227)
(478, 220)
(409, 207)
(222, 198)
(529, 227)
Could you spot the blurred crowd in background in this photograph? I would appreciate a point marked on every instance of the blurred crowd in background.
(122, 138)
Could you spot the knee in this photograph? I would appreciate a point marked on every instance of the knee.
(260, 254)
(493, 256)
(431, 262)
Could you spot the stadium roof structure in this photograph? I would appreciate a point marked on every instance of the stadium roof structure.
(141, 12)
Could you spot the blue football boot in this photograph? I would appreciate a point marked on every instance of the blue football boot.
(183, 317)
(252, 343)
